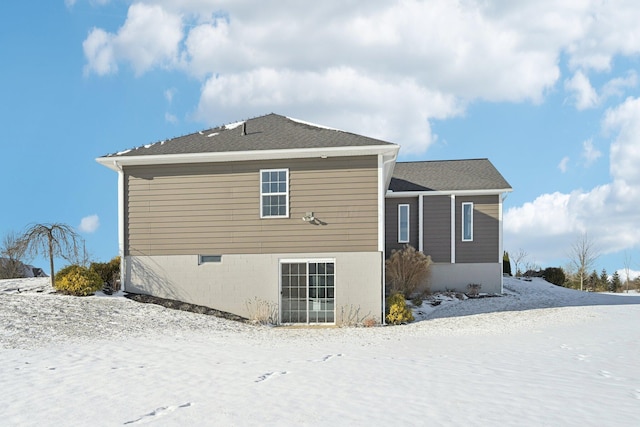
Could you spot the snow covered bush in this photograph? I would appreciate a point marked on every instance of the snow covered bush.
(398, 311)
(406, 269)
(78, 280)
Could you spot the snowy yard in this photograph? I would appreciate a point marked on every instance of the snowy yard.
(539, 355)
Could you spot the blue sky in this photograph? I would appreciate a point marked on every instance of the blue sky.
(548, 93)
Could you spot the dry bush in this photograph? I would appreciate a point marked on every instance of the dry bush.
(406, 269)
(262, 312)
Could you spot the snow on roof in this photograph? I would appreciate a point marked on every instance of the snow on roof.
(232, 126)
(313, 124)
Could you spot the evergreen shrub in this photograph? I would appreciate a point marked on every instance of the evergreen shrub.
(398, 311)
(555, 275)
(77, 280)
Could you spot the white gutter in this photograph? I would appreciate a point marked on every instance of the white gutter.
(227, 156)
(487, 192)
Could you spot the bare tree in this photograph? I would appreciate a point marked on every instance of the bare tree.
(54, 239)
(627, 269)
(13, 250)
(583, 255)
(519, 259)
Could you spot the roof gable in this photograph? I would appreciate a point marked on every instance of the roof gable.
(269, 132)
(447, 175)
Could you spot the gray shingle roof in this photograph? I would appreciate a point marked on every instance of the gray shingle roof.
(269, 132)
(447, 175)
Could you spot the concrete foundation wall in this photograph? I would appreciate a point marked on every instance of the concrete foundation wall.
(228, 285)
(458, 276)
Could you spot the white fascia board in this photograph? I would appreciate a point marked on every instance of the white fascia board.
(488, 192)
(116, 162)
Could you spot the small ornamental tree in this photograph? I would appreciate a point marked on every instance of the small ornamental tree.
(53, 239)
(406, 269)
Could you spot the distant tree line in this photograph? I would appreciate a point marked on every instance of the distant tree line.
(578, 274)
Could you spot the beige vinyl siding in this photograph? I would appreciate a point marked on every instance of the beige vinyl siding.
(391, 223)
(437, 228)
(214, 208)
(484, 247)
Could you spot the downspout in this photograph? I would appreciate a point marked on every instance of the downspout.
(123, 272)
(383, 185)
(420, 222)
(501, 199)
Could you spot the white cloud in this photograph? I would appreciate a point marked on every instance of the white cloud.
(69, 3)
(589, 153)
(563, 164)
(169, 94)
(98, 49)
(150, 37)
(89, 224)
(366, 102)
(171, 118)
(580, 87)
(616, 86)
(548, 225)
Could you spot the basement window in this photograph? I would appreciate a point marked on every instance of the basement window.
(205, 259)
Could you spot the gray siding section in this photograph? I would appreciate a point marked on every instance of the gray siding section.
(391, 223)
(214, 208)
(437, 228)
(484, 247)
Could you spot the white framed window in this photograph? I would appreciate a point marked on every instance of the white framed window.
(403, 223)
(467, 222)
(274, 193)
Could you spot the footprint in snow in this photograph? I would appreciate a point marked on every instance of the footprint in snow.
(269, 375)
(582, 357)
(636, 393)
(605, 374)
(163, 410)
(328, 357)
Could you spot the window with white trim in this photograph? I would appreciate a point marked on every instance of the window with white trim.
(467, 222)
(274, 193)
(403, 223)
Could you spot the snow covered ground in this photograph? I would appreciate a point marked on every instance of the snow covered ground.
(539, 355)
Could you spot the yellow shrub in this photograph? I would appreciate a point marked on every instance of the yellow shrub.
(398, 311)
(77, 280)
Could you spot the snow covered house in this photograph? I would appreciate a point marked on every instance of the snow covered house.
(278, 212)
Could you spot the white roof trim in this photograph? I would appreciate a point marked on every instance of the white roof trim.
(115, 162)
(392, 194)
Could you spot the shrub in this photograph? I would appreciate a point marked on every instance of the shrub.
(262, 312)
(506, 264)
(78, 280)
(406, 269)
(554, 275)
(473, 289)
(109, 272)
(398, 311)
